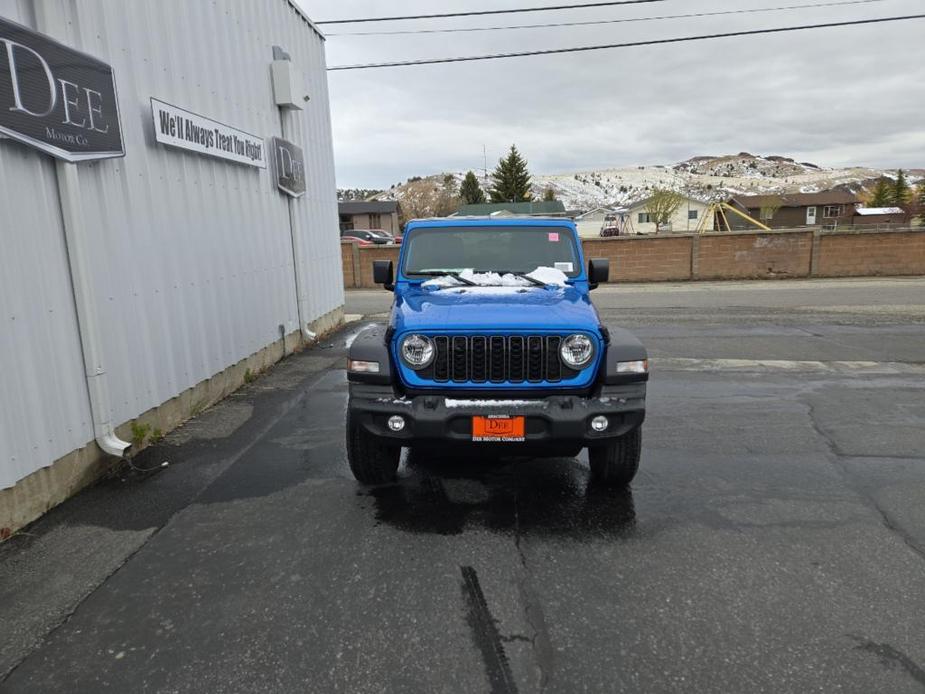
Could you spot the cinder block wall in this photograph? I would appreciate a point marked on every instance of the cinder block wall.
(862, 254)
(737, 255)
(750, 255)
(347, 252)
(644, 259)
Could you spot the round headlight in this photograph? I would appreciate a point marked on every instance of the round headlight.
(577, 351)
(417, 351)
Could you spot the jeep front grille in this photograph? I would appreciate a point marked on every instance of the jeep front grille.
(497, 359)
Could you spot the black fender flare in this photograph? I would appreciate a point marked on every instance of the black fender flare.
(372, 344)
(623, 346)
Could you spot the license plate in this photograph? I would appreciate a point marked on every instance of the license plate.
(498, 429)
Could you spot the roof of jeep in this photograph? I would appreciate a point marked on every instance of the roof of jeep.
(457, 222)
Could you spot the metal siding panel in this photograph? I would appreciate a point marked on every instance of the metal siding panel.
(191, 256)
(45, 411)
(221, 230)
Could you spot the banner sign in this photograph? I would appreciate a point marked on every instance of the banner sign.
(179, 128)
(290, 167)
(56, 99)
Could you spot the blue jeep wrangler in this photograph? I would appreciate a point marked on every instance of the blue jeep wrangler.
(493, 343)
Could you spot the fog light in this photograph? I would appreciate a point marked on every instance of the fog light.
(599, 423)
(396, 423)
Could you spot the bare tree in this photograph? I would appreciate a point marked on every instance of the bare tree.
(425, 198)
(661, 207)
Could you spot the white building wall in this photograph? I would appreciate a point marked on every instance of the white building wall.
(680, 223)
(191, 257)
(590, 224)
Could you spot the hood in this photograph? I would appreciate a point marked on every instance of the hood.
(494, 309)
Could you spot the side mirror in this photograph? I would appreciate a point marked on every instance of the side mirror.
(384, 273)
(598, 271)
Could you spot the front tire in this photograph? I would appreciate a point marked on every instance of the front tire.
(372, 460)
(616, 463)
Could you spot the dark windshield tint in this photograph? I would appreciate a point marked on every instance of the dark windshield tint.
(510, 249)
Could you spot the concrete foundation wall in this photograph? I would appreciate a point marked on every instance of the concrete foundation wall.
(717, 256)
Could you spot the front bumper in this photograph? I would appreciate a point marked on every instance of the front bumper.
(556, 419)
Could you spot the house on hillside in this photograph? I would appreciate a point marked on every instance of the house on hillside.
(688, 217)
(370, 215)
(830, 208)
(541, 208)
(590, 223)
(880, 216)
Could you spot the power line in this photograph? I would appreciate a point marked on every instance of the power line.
(658, 42)
(405, 32)
(482, 13)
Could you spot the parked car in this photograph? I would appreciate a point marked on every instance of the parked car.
(365, 237)
(382, 233)
(493, 343)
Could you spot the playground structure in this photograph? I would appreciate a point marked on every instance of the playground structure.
(620, 221)
(617, 223)
(721, 220)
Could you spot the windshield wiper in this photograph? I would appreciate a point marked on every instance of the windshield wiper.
(445, 273)
(523, 275)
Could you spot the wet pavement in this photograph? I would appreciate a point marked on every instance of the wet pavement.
(774, 540)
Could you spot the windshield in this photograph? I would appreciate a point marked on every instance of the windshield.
(435, 250)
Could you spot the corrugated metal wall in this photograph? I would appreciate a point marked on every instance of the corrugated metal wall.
(191, 256)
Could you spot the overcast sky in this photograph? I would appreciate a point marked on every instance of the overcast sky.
(834, 96)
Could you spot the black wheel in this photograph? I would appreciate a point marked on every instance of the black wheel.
(372, 460)
(615, 464)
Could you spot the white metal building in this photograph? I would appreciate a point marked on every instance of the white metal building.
(688, 217)
(185, 264)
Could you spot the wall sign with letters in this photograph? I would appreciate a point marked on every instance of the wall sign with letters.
(177, 127)
(56, 99)
(290, 167)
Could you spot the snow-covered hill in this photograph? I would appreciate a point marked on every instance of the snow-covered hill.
(703, 177)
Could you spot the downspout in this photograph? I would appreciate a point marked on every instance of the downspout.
(296, 249)
(295, 241)
(84, 298)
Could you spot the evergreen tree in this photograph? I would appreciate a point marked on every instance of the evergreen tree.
(901, 192)
(882, 195)
(470, 191)
(549, 195)
(511, 179)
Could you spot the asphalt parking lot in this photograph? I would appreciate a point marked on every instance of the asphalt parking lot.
(774, 540)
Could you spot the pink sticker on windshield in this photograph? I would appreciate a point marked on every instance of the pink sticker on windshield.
(554, 237)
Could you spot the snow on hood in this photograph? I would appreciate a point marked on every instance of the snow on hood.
(547, 275)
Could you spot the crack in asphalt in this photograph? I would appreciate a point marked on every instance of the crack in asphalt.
(485, 633)
(533, 609)
(836, 455)
(889, 656)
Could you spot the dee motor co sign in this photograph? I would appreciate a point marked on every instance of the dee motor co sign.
(290, 167)
(56, 99)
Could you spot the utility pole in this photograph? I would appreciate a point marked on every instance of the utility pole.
(485, 164)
